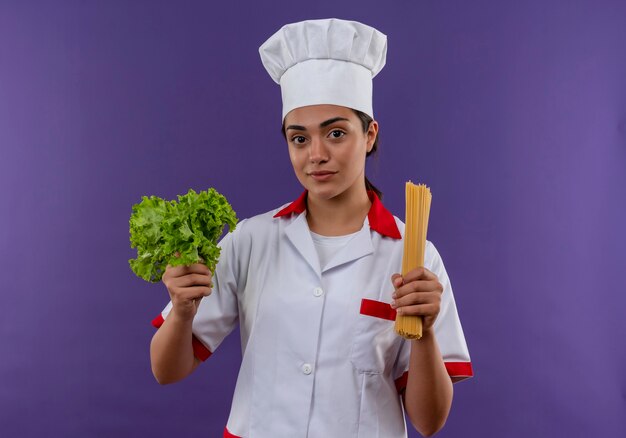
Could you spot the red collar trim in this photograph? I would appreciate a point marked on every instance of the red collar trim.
(297, 206)
(380, 219)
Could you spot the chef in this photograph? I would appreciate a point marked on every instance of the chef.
(314, 284)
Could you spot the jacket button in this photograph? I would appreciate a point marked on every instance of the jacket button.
(307, 368)
(318, 291)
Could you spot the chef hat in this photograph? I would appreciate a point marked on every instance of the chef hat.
(328, 61)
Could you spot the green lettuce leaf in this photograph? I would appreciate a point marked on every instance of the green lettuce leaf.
(191, 226)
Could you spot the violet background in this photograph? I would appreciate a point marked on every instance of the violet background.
(514, 113)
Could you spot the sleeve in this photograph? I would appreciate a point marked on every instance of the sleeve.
(447, 329)
(401, 366)
(218, 313)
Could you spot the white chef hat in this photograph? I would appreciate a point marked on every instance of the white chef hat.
(329, 61)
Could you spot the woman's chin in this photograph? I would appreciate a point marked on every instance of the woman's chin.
(323, 193)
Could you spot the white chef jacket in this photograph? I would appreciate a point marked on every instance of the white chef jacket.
(320, 356)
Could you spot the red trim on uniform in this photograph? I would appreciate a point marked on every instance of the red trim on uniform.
(455, 369)
(377, 309)
(199, 350)
(227, 434)
(158, 321)
(380, 219)
(459, 369)
(401, 381)
(297, 206)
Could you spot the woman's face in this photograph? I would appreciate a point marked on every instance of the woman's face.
(327, 148)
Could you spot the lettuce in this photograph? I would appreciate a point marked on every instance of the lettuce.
(191, 226)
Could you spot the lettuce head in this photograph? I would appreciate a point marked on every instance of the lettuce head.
(191, 227)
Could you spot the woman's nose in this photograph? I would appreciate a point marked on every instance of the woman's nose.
(317, 151)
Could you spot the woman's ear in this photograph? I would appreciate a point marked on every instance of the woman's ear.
(372, 132)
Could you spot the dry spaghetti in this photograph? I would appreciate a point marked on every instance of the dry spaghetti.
(418, 199)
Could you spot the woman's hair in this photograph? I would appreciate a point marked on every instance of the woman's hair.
(365, 123)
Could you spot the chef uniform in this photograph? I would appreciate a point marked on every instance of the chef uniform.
(320, 355)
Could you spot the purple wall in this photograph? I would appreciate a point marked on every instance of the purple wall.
(514, 114)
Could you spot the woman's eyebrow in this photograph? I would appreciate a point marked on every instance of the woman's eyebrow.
(322, 125)
(333, 120)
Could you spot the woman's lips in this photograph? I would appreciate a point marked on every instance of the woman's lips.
(321, 175)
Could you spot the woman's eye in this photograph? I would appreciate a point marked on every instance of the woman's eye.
(337, 133)
(298, 139)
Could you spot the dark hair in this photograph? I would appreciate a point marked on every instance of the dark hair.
(365, 123)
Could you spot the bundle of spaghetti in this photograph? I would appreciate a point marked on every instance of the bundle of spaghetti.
(418, 199)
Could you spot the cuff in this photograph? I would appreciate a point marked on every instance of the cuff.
(401, 382)
(199, 349)
(458, 370)
(227, 434)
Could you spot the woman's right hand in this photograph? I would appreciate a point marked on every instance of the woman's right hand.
(187, 285)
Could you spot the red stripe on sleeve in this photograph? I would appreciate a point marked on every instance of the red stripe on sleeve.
(459, 369)
(377, 309)
(199, 350)
(401, 381)
(455, 369)
(158, 321)
(227, 434)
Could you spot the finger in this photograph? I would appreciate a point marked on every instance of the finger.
(417, 298)
(179, 271)
(419, 273)
(426, 310)
(193, 293)
(417, 286)
(193, 280)
(201, 268)
(396, 280)
(198, 268)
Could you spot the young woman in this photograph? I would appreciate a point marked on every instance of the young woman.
(314, 284)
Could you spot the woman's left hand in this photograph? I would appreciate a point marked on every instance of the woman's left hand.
(417, 293)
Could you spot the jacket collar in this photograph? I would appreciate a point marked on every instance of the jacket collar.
(379, 218)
